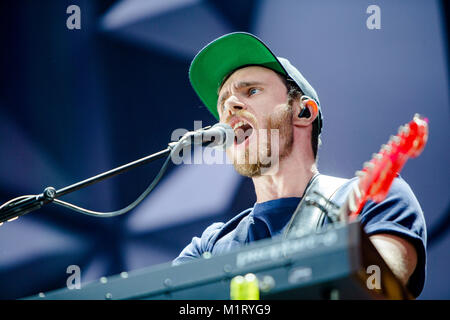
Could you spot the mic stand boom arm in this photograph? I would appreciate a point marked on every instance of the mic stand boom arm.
(14, 208)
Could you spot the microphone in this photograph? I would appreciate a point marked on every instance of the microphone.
(219, 135)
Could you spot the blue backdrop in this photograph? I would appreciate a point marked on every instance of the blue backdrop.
(74, 103)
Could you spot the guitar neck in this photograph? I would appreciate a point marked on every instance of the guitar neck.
(378, 174)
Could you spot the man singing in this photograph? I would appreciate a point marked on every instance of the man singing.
(270, 105)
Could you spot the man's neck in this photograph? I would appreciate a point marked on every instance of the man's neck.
(290, 180)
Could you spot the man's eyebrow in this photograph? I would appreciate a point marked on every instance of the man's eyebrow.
(244, 84)
(239, 85)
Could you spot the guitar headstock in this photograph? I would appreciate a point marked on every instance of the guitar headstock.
(377, 175)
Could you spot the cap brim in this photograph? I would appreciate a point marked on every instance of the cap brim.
(223, 55)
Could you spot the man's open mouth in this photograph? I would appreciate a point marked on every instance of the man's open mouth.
(242, 131)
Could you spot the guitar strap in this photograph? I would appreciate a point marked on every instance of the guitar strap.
(309, 218)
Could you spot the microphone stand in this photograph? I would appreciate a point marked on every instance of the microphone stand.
(12, 209)
(16, 207)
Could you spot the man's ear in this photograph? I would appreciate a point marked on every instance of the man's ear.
(305, 111)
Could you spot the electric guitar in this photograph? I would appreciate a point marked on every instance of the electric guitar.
(377, 175)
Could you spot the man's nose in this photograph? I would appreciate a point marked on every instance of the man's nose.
(233, 104)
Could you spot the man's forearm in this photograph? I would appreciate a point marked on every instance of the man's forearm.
(398, 253)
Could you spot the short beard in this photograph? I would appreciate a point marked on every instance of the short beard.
(281, 121)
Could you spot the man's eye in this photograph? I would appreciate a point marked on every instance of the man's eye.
(252, 91)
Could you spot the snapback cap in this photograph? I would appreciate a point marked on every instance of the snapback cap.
(230, 52)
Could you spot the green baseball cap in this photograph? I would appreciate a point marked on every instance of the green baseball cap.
(230, 52)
